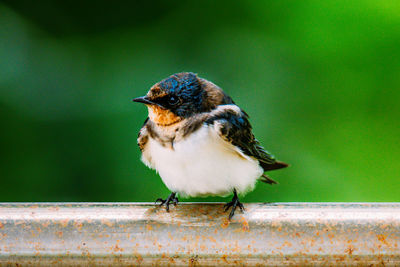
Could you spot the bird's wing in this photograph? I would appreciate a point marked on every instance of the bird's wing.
(142, 141)
(233, 126)
(143, 136)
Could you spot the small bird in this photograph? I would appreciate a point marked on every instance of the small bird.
(200, 142)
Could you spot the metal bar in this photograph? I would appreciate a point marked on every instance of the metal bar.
(71, 234)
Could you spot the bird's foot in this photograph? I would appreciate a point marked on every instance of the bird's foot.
(234, 203)
(171, 198)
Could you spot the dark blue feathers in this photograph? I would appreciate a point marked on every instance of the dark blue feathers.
(187, 88)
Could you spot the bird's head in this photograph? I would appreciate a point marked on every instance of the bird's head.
(180, 96)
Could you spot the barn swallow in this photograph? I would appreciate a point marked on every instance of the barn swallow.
(200, 142)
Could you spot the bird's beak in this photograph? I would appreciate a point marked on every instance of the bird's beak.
(144, 100)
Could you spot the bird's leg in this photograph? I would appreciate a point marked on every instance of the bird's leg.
(234, 203)
(171, 198)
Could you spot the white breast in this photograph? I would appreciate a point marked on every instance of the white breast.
(203, 164)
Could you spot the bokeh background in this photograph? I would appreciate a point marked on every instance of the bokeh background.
(320, 80)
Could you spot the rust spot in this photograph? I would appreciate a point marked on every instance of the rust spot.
(139, 259)
(225, 223)
(59, 234)
(107, 222)
(78, 225)
(224, 258)
(117, 248)
(382, 238)
(245, 225)
(350, 249)
(170, 236)
(46, 223)
(149, 227)
(212, 239)
(2, 236)
(1, 225)
(193, 261)
(64, 223)
(287, 244)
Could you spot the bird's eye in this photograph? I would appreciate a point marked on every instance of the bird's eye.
(173, 100)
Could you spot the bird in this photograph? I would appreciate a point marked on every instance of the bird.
(200, 142)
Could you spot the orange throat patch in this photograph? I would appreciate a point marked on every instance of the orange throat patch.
(162, 117)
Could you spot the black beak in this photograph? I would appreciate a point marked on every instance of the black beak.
(144, 100)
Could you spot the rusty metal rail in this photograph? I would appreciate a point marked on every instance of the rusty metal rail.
(72, 234)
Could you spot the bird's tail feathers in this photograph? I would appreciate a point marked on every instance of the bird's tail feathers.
(265, 179)
(275, 166)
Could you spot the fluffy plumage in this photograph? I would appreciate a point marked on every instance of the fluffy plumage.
(202, 163)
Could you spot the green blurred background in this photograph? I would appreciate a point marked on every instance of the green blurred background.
(320, 80)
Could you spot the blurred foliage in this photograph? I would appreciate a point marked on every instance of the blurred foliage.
(320, 80)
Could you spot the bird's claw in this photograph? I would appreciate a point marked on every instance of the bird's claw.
(160, 200)
(234, 203)
(171, 198)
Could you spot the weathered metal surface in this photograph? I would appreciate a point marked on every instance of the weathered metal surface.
(199, 234)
